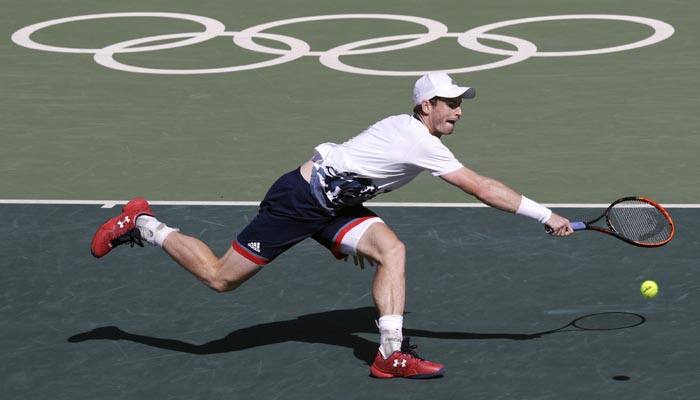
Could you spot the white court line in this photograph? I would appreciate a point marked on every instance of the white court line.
(112, 203)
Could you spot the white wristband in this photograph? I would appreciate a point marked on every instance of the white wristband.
(534, 210)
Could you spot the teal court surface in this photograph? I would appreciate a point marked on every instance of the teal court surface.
(484, 295)
(200, 107)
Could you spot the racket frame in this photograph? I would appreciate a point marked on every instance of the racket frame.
(610, 230)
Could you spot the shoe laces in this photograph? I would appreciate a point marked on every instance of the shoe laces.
(133, 237)
(407, 348)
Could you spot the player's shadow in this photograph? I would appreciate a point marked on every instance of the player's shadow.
(337, 327)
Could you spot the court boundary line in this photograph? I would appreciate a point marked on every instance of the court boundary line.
(112, 203)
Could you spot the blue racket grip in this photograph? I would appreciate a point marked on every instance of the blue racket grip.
(578, 226)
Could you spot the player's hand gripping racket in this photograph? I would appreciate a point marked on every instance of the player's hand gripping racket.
(635, 220)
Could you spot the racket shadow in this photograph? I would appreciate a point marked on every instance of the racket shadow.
(603, 321)
(340, 328)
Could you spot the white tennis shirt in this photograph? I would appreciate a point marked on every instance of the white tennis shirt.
(384, 157)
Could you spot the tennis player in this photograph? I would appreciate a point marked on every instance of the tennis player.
(323, 199)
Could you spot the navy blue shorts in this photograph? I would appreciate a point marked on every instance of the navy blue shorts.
(289, 214)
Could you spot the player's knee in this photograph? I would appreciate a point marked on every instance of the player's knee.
(229, 272)
(223, 285)
(394, 254)
(220, 281)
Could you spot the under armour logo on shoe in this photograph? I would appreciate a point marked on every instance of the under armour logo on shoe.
(255, 246)
(122, 223)
(402, 363)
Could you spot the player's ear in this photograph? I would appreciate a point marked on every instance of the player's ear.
(426, 106)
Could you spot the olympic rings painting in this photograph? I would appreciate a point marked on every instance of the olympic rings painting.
(298, 48)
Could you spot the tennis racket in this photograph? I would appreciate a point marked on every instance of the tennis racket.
(635, 220)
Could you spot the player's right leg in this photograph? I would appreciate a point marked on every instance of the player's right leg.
(396, 358)
(359, 232)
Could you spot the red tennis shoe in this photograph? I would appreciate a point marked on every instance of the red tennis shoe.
(120, 229)
(405, 364)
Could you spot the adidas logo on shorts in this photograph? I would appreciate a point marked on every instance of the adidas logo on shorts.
(255, 246)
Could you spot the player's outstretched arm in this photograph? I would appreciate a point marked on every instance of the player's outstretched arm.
(487, 190)
(498, 195)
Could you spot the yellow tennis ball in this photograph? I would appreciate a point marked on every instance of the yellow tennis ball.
(649, 289)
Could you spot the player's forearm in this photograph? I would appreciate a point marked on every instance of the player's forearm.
(497, 195)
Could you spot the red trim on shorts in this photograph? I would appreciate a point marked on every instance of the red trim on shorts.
(247, 254)
(344, 231)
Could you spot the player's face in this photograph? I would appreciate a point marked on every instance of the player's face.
(444, 114)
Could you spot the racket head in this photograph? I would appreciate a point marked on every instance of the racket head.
(639, 221)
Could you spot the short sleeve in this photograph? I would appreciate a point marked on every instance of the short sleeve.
(434, 156)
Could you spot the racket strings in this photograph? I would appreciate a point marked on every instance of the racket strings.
(639, 221)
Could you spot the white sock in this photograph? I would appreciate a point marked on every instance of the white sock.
(152, 230)
(390, 334)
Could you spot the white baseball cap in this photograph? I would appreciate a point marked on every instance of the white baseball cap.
(439, 84)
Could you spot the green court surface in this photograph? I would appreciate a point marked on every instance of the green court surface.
(487, 291)
(564, 129)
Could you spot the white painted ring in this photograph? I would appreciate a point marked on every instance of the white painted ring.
(212, 29)
(331, 58)
(435, 31)
(105, 56)
(662, 31)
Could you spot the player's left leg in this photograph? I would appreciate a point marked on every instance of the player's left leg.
(220, 274)
(287, 215)
(137, 224)
(120, 229)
